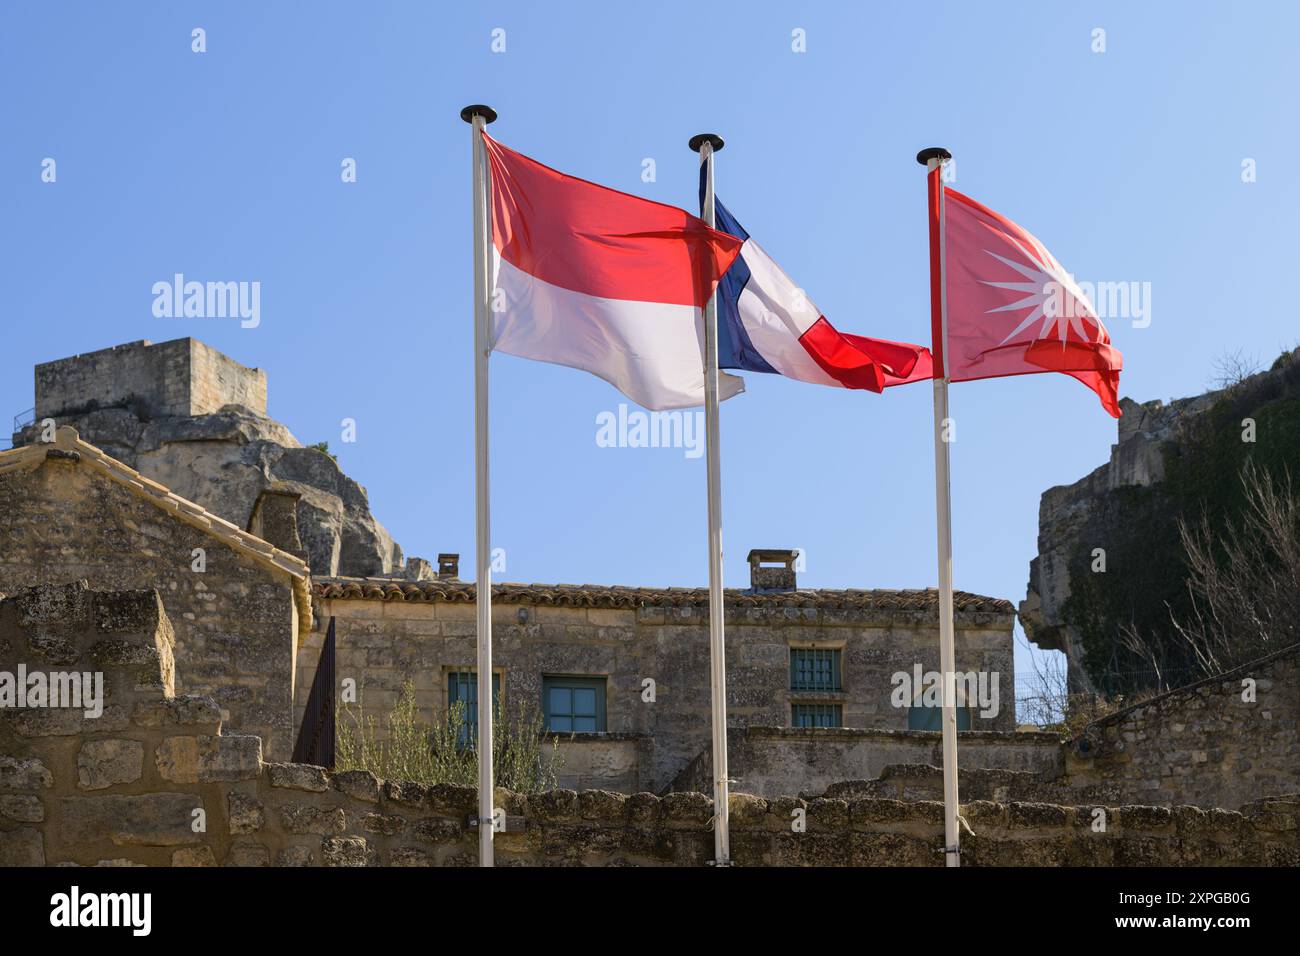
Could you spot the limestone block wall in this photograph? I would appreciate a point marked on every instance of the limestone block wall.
(179, 377)
(156, 376)
(601, 761)
(1220, 742)
(295, 815)
(153, 781)
(381, 644)
(216, 380)
(770, 761)
(235, 622)
(134, 783)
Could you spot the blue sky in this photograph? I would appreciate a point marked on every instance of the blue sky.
(225, 165)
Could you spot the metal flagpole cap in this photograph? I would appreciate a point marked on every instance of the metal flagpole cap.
(478, 109)
(699, 139)
(932, 152)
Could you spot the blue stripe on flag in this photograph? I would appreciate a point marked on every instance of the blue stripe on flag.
(735, 350)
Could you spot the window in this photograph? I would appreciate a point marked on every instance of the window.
(817, 715)
(462, 687)
(815, 669)
(574, 705)
(920, 717)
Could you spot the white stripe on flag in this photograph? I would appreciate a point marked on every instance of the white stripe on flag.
(775, 313)
(649, 351)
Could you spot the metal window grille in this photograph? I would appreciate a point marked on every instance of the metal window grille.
(815, 669)
(817, 715)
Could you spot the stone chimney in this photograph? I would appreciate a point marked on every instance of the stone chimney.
(449, 566)
(771, 570)
(275, 520)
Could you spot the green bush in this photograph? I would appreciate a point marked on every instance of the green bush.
(404, 747)
(324, 448)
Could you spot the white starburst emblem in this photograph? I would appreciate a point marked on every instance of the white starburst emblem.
(1052, 296)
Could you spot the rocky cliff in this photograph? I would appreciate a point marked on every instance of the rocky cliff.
(225, 460)
(1109, 553)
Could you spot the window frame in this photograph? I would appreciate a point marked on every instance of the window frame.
(836, 651)
(836, 709)
(470, 730)
(963, 713)
(597, 682)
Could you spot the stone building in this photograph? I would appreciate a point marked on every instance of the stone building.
(206, 623)
(631, 663)
(825, 687)
(125, 789)
(239, 606)
(182, 377)
(627, 668)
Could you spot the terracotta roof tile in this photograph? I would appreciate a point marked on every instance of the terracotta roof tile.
(617, 596)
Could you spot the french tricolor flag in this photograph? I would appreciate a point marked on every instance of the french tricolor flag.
(599, 280)
(767, 324)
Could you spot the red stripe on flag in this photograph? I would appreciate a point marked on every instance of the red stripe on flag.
(856, 361)
(934, 182)
(919, 369)
(839, 359)
(587, 238)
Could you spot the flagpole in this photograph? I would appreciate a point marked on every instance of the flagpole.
(706, 144)
(478, 117)
(934, 158)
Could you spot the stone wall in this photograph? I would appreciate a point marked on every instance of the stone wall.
(180, 377)
(123, 786)
(1204, 744)
(216, 380)
(235, 622)
(605, 761)
(153, 781)
(768, 760)
(388, 634)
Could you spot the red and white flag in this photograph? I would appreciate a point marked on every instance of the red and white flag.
(1012, 308)
(602, 281)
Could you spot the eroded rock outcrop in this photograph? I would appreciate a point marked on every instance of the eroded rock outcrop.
(1128, 509)
(1069, 518)
(169, 411)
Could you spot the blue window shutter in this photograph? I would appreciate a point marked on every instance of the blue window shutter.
(574, 704)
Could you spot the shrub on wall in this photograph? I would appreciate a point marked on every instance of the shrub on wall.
(403, 746)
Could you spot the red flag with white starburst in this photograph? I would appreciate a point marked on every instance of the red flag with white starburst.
(1012, 308)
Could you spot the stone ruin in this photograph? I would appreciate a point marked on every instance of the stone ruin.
(188, 416)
